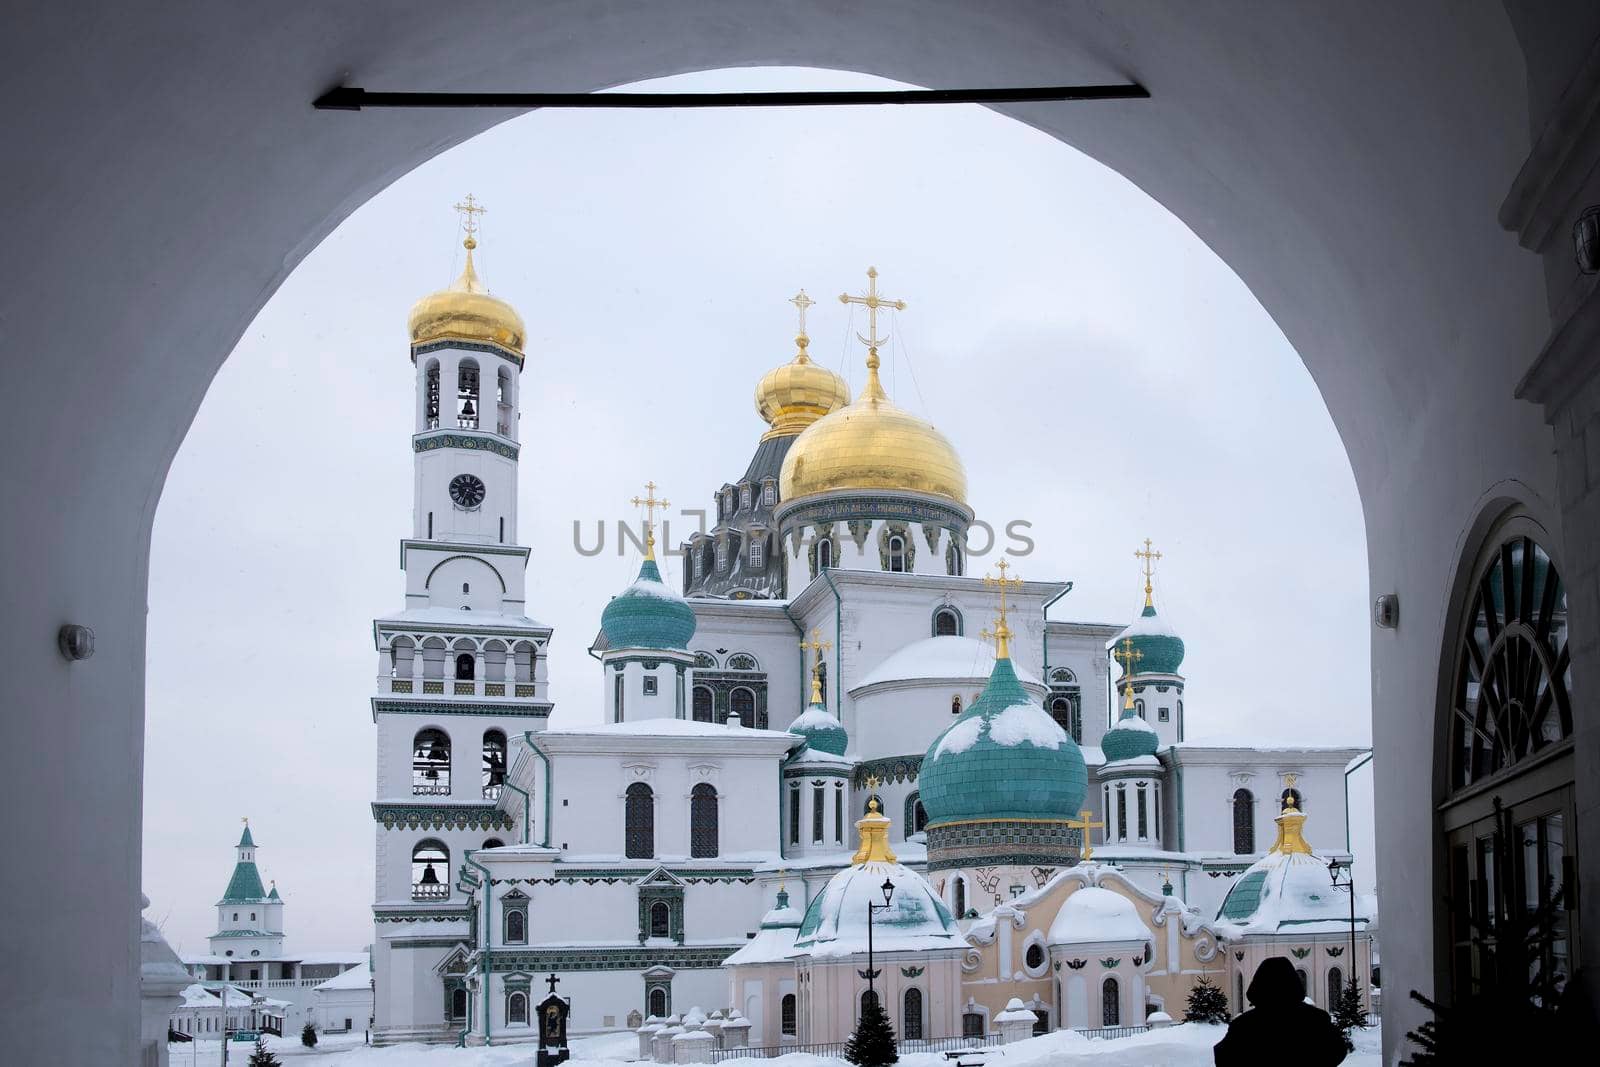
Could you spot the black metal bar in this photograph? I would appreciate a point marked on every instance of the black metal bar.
(355, 98)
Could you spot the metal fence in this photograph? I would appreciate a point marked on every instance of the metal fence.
(1108, 1033)
(836, 1048)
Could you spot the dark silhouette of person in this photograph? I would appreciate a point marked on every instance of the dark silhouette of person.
(1280, 1026)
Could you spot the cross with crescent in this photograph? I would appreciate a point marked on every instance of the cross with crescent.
(872, 302)
(1085, 823)
(470, 208)
(802, 301)
(817, 647)
(1148, 557)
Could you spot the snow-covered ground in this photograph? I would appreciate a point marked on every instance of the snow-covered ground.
(1181, 1046)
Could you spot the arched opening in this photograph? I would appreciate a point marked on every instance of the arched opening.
(458, 1003)
(658, 1003)
(824, 555)
(660, 919)
(466, 666)
(946, 623)
(494, 764)
(517, 1009)
(1244, 822)
(703, 821)
(640, 822)
(1335, 986)
(911, 1015)
(430, 763)
(868, 996)
(1110, 1003)
(430, 871)
(516, 926)
(467, 398)
(430, 406)
(787, 1015)
(493, 842)
(916, 816)
(1033, 957)
(503, 388)
(703, 705)
(897, 554)
(402, 652)
(958, 896)
(742, 702)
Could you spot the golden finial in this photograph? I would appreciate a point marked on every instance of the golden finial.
(470, 208)
(650, 503)
(1148, 557)
(874, 830)
(1085, 823)
(1001, 634)
(801, 301)
(1291, 820)
(873, 390)
(1128, 656)
(817, 647)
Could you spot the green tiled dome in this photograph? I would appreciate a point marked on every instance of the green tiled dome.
(647, 615)
(1159, 646)
(1004, 758)
(822, 731)
(1130, 737)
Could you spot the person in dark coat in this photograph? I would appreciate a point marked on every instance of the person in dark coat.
(1280, 1026)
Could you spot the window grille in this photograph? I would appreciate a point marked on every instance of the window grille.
(703, 821)
(640, 818)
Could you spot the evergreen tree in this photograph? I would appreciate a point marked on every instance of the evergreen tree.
(308, 1036)
(1207, 1003)
(872, 1043)
(1348, 1013)
(261, 1057)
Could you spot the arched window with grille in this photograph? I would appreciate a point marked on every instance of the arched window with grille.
(466, 666)
(911, 1015)
(824, 555)
(742, 702)
(430, 763)
(1335, 987)
(640, 822)
(494, 764)
(658, 1003)
(516, 926)
(660, 919)
(946, 623)
(958, 896)
(788, 1015)
(704, 705)
(703, 821)
(1244, 822)
(897, 554)
(868, 996)
(458, 1004)
(1110, 1003)
(517, 1009)
(430, 871)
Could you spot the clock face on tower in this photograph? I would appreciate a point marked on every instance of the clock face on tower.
(467, 490)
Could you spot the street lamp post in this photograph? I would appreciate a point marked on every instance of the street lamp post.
(872, 909)
(1348, 885)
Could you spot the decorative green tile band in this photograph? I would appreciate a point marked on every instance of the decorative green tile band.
(611, 876)
(380, 706)
(982, 844)
(418, 915)
(890, 769)
(463, 439)
(442, 816)
(696, 958)
(465, 346)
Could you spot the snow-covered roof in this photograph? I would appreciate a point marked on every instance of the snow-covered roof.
(835, 923)
(428, 618)
(205, 958)
(198, 996)
(1093, 914)
(667, 728)
(941, 659)
(1135, 763)
(359, 977)
(330, 957)
(1145, 624)
(1015, 725)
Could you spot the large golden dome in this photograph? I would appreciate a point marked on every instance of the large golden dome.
(872, 444)
(797, 394)
(466, 312)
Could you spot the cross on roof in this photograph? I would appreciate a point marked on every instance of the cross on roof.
(1084, 823)
(470, 208)
(650, 503)
(1149, 557)
(802, 301)
(872, 302)
(1128, 656)
(817, 647)
(1001, 634)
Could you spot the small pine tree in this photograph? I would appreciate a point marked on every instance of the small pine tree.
(262, 1057)
(872, 1043)
(308, 1036)
(1348, 1014)
(1207, 1003)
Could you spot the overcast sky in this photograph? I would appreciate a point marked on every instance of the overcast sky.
(1103, 374)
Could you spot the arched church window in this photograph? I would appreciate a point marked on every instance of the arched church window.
(658, 1002)
(911, 1016)
(703, 821)
(517, 1008)
(742, 702)
(1305, 983)
(1513, 670)
(1138, 705)
(958, 896)
(1122, 811)
(467, 396)
(824, 555)
(430, 763)
(1240, 1006)
(430, 871)
(702, 703)
(516, 926)
(1244, 822)
(1111, 1003)
(868, 996)
(660, 919)
(946, 622)
(493, 842)
(819, 798)
(897, 554)
(503, 403)
(466, 666)
(838, 813)
(1335, 986)
(788, 1015)
(458, 1004)
(430, 403)
(722, 554)
(916, 819)
(494, 764)
(640, 822)
(794, 813)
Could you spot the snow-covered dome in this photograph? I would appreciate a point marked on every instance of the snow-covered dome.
(916, 920)
(1159, 647)
(647, 614)
(774, 941)
(822, 731)
(1129, 738)
(943, 660)
(1094, 914)
(1003, 759)
(1288, 888)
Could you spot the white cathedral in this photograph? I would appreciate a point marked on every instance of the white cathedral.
(822, 675)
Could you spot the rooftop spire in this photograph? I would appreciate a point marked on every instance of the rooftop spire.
(650, 503)
(874, 830)
(1149, 557)
(1290, 822)
(817, 647)
(1001, 632)
(872, 301)
(801, 301)
(470, 209)
(1128, 656)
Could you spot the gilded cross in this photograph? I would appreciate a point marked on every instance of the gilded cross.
(872, 302)
(1001, 634)
(470, 208)
(1085, 823)
(1148, 557)
(802, 301)
(817, 647)
(1128, 656)
(650, 503)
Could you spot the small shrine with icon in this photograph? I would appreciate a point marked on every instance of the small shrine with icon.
(553, 1012)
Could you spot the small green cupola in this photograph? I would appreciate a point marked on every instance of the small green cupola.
(1131, 736)
(648, 615)
(823, 732)
(245, 885)
(1158, 648)
(272, 894)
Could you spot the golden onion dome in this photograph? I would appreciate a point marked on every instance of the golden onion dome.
(872, 444)
(466, 312)
(797, 394)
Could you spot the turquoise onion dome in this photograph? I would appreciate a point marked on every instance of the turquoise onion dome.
(1159, 647)
(647, 614)
(1003, 759)
(1130, 738)
(823, 732)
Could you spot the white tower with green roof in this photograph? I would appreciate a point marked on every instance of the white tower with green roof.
(249, 917)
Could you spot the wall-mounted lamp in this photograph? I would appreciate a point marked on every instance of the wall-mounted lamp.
(1586, 240)
(75, 642)
(1386, 611)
